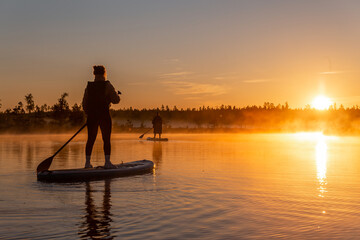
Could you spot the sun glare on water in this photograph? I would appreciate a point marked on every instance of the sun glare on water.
(321, 103)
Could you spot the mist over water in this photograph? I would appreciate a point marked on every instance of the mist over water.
(205, 186)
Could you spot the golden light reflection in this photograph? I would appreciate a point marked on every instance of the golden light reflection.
(320, 156)
(308, 136)
(321, 160)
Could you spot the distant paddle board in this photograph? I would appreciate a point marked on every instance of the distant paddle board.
(86, 174)
(157, 139)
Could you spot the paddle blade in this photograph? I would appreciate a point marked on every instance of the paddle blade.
(44, 165)
(142, 136)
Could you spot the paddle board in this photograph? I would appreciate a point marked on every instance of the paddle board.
(86, 174)
(157, 139)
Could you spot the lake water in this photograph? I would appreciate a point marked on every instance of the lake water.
(205, 186)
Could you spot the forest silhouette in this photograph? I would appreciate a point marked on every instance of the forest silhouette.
(28, 117)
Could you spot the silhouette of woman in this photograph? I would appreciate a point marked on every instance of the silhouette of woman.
(96, 103)
(157, 125)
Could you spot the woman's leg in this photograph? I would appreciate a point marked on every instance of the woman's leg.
(105, 127)
(92, 127)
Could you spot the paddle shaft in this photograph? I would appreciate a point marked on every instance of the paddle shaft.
(145, 133)
(44, 165)
(69, 140)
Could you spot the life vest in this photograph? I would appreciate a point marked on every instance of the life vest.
(98, 102)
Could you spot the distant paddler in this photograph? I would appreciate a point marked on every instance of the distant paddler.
(96, 103)
(157, 125)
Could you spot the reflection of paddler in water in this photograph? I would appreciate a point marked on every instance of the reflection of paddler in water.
(96, 103)
(157, 153)
(157, 125)
(96, 223)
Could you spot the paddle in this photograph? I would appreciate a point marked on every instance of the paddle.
(44, 165)
(145, 133)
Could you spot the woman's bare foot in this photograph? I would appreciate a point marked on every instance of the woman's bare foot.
(88, 165)
(109, 166)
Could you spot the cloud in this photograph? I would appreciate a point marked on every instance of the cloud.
(137, 83)
(172, 60)
(192, 88)
(256, 81)
(192, 98)
(175, 74)
(184, 83)
(333, 72)
(230, 76)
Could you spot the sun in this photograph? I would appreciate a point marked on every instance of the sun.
(321, 103)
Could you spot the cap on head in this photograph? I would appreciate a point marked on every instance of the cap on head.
(99, 70)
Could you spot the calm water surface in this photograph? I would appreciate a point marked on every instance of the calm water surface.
(205, 186)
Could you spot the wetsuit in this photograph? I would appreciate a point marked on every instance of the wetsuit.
(96, 103)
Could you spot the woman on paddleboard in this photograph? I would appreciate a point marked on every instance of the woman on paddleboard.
(96, 103)
(157, 125)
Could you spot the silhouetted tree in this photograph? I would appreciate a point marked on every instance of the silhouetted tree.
(61, 108)
(30, 105)
(19, 108)
(76, 115)
(62, 105)
(76, 108)
(44, 108)
(37, 109)
(285, 107)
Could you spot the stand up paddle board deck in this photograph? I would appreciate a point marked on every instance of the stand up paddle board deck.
(157, 139)
(86, 174)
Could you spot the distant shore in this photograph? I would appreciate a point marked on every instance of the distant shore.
(269, 118)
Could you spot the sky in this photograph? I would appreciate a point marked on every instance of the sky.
(185, 53)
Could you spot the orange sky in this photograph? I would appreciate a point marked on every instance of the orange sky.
(183, 53)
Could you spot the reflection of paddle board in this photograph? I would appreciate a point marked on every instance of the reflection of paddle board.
(85, 174)
(157, 139)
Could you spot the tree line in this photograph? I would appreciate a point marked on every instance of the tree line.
(29, 117)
